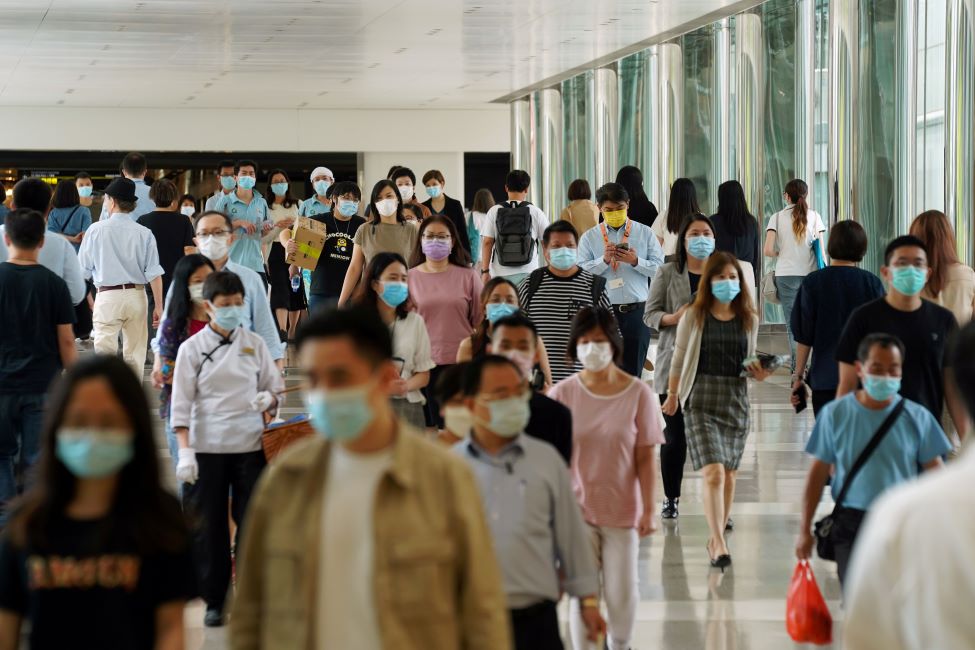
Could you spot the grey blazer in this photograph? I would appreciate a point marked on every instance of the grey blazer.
(668, 291)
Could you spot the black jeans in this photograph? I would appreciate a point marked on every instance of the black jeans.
(536, 627)
(636, 337)
(673, 454)
(431, 410)
(205, 505)
(82, 314)
(846, 526)
(821, 398)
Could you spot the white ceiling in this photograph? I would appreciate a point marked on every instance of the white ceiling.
(310, 53)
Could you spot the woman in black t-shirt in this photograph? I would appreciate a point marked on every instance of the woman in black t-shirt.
(96, 554)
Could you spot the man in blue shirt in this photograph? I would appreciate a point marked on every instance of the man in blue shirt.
(845, 427)
(318, 203)
(627, 254)
(249, 214)
(227, 180)
(134, 168)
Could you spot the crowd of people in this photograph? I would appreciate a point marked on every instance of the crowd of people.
(486, 440)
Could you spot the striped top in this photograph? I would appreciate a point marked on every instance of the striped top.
(552, 309)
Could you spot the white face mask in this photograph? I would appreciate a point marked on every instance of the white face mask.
(458, 420)
(188, 210)
(523, 360)
(386, 207)
(215, 247)
(595, 356)
(196, 293)
(406, 191)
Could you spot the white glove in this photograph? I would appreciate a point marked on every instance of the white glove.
(262, 402)
(187, 470)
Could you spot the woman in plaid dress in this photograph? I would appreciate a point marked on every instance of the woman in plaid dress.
(714, 339)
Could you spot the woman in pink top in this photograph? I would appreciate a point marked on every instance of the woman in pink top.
(446, 291)
(616, 424)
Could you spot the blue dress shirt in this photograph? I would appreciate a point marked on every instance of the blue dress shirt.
(650, 256)
(119, 251)
(59, 257)
(312, 206)
(143, 205)
(69, 221)
(246, 249)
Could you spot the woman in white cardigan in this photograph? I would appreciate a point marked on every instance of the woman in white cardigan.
(715, 338)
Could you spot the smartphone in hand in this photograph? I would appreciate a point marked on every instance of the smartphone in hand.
(800, 394)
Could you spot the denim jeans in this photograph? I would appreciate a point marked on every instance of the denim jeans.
(788, 287)
(21, 417)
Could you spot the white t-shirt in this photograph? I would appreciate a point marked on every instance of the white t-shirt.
(539, 224)
(796, 257)
(659, 228)
(411, 343)
(479, 219)
(347, 613)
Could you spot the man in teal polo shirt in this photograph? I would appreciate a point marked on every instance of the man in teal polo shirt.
(319, 202)
(249, 214)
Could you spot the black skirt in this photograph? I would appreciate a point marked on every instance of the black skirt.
(282, 297)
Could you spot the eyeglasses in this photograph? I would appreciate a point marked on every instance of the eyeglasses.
(436, 237)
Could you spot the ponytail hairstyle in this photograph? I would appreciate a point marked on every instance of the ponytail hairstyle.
(796, 190)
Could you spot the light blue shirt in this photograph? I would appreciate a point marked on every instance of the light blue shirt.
(69, 221)
(312, 206)
(143, 205)
(650, 256)
(58, 256)
(246, 249)
(214, 200)
(259, 318)
(844, 428)
(119, 251)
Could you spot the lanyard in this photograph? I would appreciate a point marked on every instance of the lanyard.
(626, 238)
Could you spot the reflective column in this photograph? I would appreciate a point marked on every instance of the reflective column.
(606, 111)
(905, 115)
(521, 134)
(806, 96)
(577, 140)
(721, 109)
(667, 97)
(546, 174)
(960, 120)
(843, 81)
(749, 129)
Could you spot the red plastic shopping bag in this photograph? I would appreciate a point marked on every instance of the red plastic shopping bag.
(807, 618)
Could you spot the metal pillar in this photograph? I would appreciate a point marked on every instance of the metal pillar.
(721, 109)
(905, 170)
(668, 98)
(959, 121)
(547, 181)
(606, 114)
(521, 134)
(806, 96)
(843, 83)
(750, 132)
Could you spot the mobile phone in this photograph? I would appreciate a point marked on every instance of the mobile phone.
(623, 247)
(800, 394)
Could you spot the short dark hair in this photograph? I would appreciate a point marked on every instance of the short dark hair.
(415, 211)
(81, 175)
(475, 371)
(612, 192)
(363, 326)
(517, 180)
(134, 164)
(222, 283)
(559, 226)
(882, 339)
(434, 175)
(32, 193)
(579, 190)
(213, 213)
(588, 319)
(124, 206)
(25, 227)
(450, 383)
(163, 192)
(401, 172)
(389, 174)
(65, 195)
(903, 241)
(517, 319)
(245, 163)
(224, 164)
(847, 241)
(345, 187)
(187, 197)
(962, 355)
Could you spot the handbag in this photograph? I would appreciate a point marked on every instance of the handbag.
(824, 527)
(769, 291)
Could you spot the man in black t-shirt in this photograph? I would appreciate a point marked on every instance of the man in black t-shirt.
(923, 327)
(36, 342)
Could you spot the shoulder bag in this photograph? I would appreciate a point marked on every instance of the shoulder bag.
(769, 292)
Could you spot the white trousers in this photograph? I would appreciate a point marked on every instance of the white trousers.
(125, 311)
(617, 551)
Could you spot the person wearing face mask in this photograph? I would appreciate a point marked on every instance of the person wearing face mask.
(551, 296)
(405, 181)
(892, 434)
(923, 328)
(447, 292)
(449, 391)
(97, 554)
(319, 203)
(387, 546)
(187, 207)
(715, 342)
(121, 257)
(385, 289)
(613, 463)
(440, 203)
(173, 232)
(248, 212)
(226, 181)
(385, 231)
(626, 253)
(285, 301)
(68, 217)
(225, 389)
(213, 239)
(186, 315)
(134, 168)
(86, 190)
(538, 531)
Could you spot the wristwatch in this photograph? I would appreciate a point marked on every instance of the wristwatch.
(591, 601)
(483, 271)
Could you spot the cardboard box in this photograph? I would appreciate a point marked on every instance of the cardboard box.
(310, 237)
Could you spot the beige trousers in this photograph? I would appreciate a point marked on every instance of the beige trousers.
(125, 311)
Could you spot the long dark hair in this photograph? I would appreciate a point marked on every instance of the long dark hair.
(480, 336)
(741, 305)
(631, 178)
(180, 303)
(65, 195)
(373, 213)
(682, 237)
(733, 208)
(368, 296)
(933, 228)
(143, 513)
(289, 200)
(458, 256)
(682, 203)
(797, 190)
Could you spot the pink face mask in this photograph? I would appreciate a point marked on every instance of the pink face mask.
(523, 360)
(436, 249)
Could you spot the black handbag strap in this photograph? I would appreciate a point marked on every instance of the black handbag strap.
(868, 450)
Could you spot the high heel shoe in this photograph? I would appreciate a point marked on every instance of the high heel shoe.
(721, 562)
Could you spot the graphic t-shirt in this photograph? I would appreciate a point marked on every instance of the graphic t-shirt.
(327, 278)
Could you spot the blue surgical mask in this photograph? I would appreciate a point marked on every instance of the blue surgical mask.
(228, 182)
(563, 258)
(434, 191)
(908, 280)
(321, 187)
(94, 453)
(700, 247)
(84, 191)
(340, 415)
(348, 208)
(246, 182)
(394, 293)
(229, 318)
(881, 387)
(498, 310)
(725, 290)
(509, 417)
(279, 188)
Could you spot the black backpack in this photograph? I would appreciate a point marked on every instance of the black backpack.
(535, 281)
(514, 244)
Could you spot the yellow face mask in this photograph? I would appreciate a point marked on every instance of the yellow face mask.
(615, 219)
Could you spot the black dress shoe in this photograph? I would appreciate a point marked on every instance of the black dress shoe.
(283, 336)
(669, 510)
(213, 618)
(730, 525)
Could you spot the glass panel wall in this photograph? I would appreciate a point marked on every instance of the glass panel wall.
(820, 183)
(931, 66)
(577, 119)
(779, 26)
(698, 51)
(634, 98)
